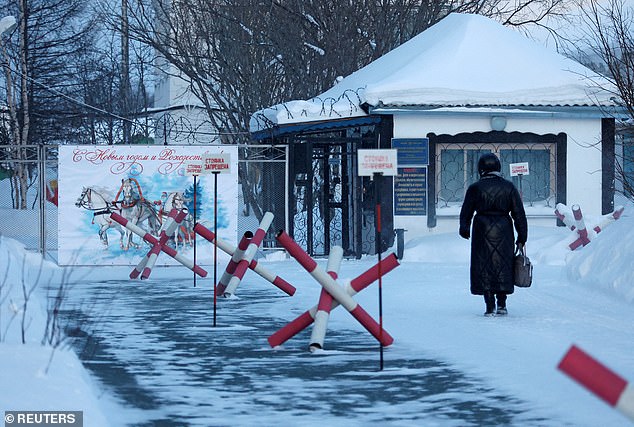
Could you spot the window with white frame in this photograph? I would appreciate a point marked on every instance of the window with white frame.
(457, 168)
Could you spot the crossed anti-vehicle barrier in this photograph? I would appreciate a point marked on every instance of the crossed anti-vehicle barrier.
(242, 258)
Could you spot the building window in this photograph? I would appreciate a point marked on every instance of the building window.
(457, 168)
(536, 186)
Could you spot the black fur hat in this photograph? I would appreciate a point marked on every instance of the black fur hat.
(489, 162)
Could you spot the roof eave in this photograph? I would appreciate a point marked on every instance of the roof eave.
(519, 110)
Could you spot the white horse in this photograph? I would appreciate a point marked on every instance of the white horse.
(135, 209)
(93, 201)
(184, 232)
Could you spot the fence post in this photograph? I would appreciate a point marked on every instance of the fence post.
(41, 166)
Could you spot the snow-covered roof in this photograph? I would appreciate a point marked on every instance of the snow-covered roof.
(463, 60)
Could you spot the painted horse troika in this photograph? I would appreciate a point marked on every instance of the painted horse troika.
(94, 201)
(136, 209)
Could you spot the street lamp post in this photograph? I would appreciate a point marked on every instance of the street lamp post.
(7, 24)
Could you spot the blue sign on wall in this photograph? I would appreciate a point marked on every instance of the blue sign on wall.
(412, 151)
(410, 191)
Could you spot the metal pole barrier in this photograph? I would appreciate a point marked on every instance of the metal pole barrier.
(331, 286)
(305, 319)
(599, 379)
(195, 185)
(377, 227)
(215, 234)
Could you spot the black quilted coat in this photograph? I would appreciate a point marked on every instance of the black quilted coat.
(493, 198)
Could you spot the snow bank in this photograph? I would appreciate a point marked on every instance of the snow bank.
(36, 376)
(606, 263)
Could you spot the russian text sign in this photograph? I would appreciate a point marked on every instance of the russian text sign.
(381, 161)
(217, 162)
(412, 151)
(410, 191)
(519, 168)
(194, 168)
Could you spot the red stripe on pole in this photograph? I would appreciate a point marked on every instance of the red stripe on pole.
(278, 281)
(284, 285)
(205, 232)
(121, 220)
(366, 278)
(371, 326)
(233, 264)
(325, 301)
(291, 329)
(200, 271)
(296, 251)
(590, 373)
(259, 235)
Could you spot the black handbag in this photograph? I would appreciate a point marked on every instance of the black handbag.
(522, 269)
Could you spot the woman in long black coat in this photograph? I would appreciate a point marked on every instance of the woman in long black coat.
(498, 207)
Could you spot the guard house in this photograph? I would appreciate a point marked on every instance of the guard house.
(463, 87)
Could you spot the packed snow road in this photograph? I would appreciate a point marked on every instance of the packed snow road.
(152, 345)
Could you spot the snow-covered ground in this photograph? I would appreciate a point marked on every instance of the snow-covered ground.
(584, 298)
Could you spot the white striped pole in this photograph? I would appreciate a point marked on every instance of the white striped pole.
(324, 306)
(564, 213)
(173, 220)
(581, 229)
(154, 241)
(305, 319)
(600, 380)
(233, 263)
(249, 253)
(230, 249)
(609, 219)
(150, 258)
(334, 289)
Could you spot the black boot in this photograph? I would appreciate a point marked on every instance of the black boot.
(501, 311)
(489, 300)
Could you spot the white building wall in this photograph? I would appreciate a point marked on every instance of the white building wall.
(187, 124)
(583, 175)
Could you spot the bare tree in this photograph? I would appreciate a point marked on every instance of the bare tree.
(38, 72)
(609, 49)
(239, 56)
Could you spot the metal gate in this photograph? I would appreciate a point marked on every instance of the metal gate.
(329, 204)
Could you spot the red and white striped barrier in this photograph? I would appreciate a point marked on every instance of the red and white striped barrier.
(233, 262)
(336, 291)
(230, 249)
(581, 229)
(324, 306)
(573, 219)
(359, 283)
(249, 254)
(564, 213)
(147, 263)
(609, 219)
(156, 242)
(599, 379)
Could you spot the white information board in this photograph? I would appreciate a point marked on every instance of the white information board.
(381, 161)
(519, 168)
(217, 162)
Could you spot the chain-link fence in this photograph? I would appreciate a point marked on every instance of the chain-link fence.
(263, 183)
(28, 193)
